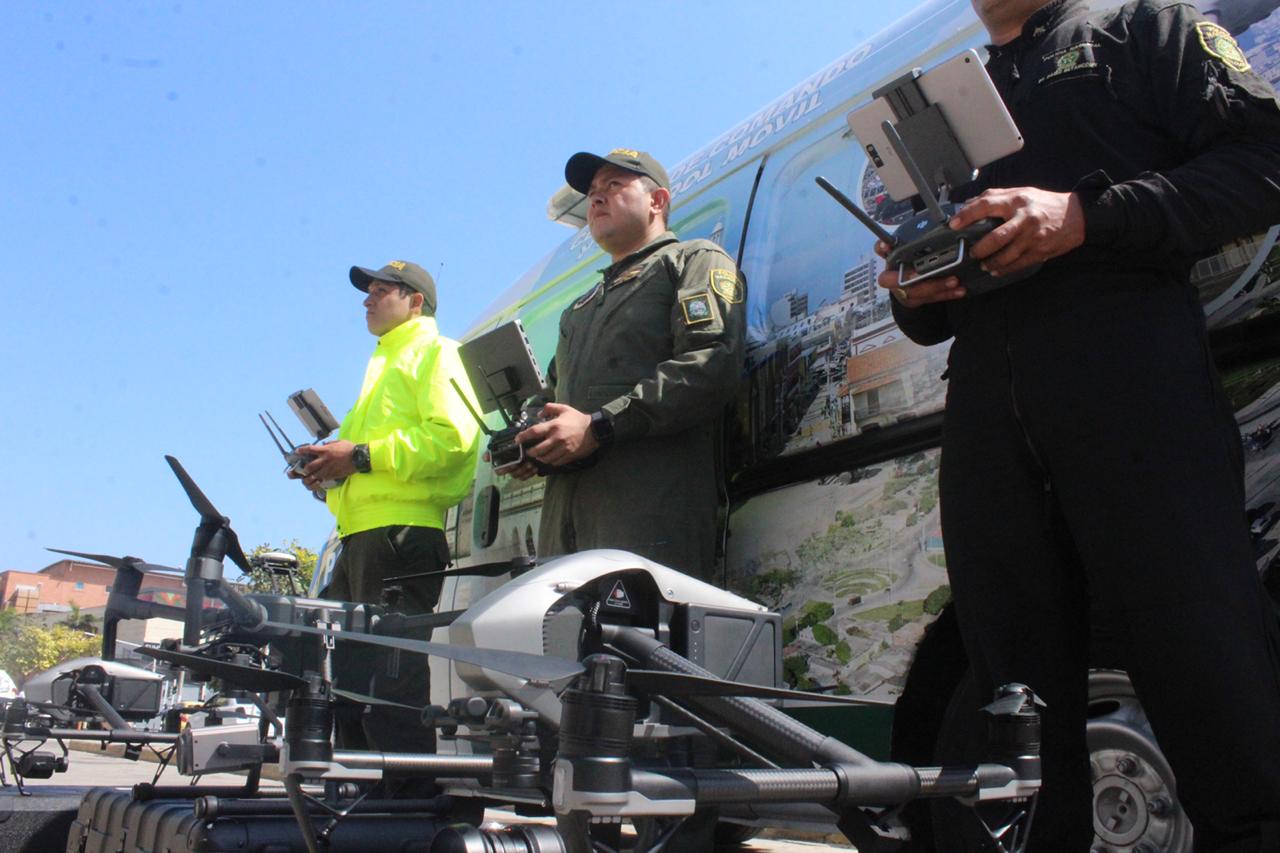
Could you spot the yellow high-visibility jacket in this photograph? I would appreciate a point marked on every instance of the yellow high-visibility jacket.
(423, 442)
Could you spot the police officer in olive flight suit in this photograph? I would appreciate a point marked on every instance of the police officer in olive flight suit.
(646, 361)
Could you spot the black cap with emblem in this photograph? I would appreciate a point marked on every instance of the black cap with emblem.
(582, 167)
(400, 272)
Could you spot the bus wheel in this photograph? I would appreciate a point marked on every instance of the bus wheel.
(1135, 804)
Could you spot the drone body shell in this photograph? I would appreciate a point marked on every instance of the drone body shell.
(514, 617)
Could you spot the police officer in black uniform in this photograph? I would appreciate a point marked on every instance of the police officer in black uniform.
(1091, 468)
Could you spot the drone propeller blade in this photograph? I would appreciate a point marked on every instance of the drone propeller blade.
(514, 567)
(44, 705)
(365, 699)
(248, 677)
(235, 552)
(113, 562)
(119, 562)
(209, 513)
(544, 668)
(1014, 703)
(679, 684)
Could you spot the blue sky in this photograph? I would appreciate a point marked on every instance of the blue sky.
(185, 186)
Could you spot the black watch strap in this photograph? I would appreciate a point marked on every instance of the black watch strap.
(360, 458)
(601, 428)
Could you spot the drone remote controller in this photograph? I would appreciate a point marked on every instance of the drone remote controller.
(930, 249)
(906, 129)
(295, 461)
(504, 450)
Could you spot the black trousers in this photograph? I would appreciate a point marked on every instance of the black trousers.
(367, 560)
(1091, 469)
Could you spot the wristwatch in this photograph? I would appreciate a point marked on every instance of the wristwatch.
(601, 427)
(360, 458)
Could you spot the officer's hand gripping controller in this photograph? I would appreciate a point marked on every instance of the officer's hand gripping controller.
(317, 420)
(925, 246)
(920, 249)
(923, 249)
(504, 450)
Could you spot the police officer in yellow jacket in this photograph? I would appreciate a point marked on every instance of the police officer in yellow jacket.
(646, 361)
(406, 453)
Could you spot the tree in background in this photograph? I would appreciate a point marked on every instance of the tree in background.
(10, 619)
(27, 648)
(263, 579)
(85, 623)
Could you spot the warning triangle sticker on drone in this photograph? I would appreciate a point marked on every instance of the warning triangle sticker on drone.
(618, 596)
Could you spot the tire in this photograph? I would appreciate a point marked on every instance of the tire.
(1135, 802)
(1135, 805)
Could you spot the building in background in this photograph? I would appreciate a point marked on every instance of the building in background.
(59, 585)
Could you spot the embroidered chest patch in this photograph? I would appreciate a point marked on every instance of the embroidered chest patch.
(1078, 59)
(1219, 44)
(726, 283)
(697, 309)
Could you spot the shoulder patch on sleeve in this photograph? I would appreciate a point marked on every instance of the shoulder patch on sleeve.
(588, 296)
(727, 285)
(697, 308)
(1219, 44)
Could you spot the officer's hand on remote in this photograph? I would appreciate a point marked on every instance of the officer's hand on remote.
(332, 462)
(520, 470)
(563, 435)
(1039, 225)
(936, 290)
(311, 483)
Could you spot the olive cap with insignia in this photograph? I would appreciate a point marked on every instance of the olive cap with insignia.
(400, 272)
(582, 167)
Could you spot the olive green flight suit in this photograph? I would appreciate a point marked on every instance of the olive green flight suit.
(657, 345)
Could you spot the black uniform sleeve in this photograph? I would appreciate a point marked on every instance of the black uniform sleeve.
(926, 325)
(1227, 120)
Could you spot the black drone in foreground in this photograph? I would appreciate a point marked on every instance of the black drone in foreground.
(597, 689)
